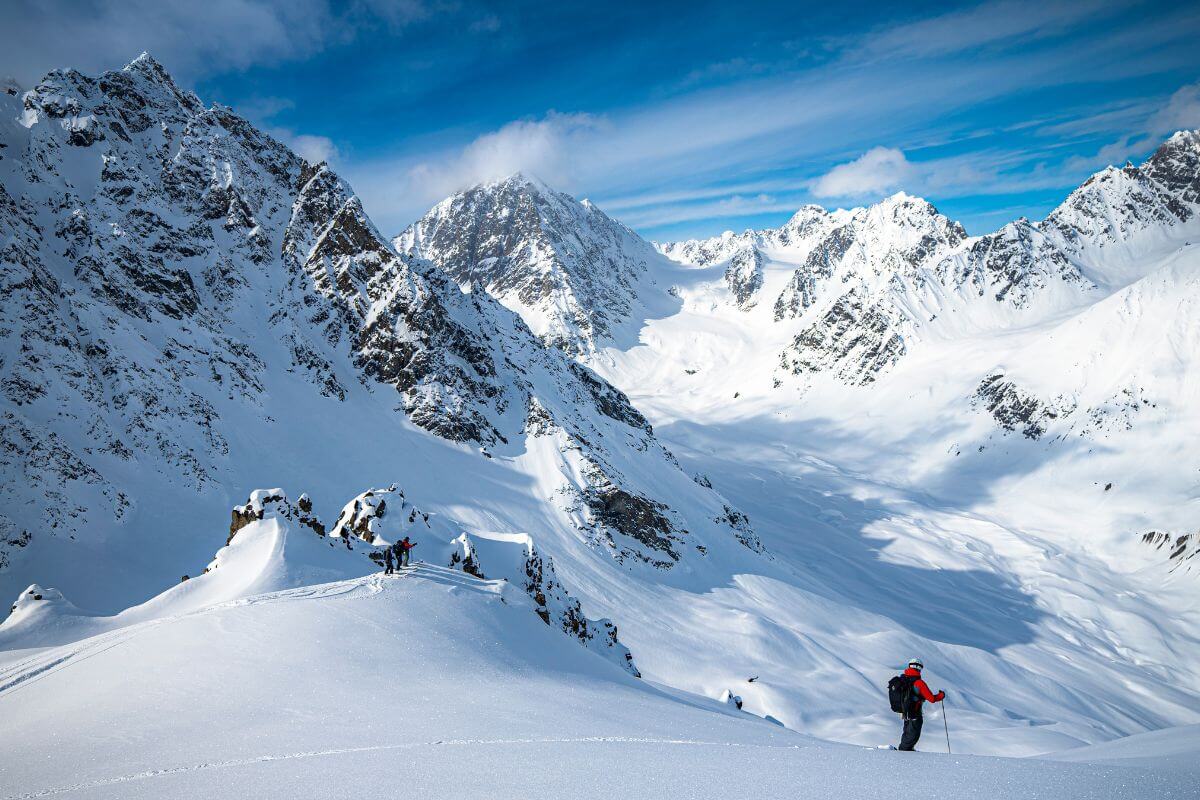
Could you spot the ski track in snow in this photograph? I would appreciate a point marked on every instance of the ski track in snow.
(39, 666)
(262, 759)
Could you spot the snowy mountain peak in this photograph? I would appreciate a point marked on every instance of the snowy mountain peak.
(526, 181)
(804, 215)
(1175, 165)
(869, 282)
(149, 66)
(1120, 220)
(903, 215)
(269, 313)
(578, 278)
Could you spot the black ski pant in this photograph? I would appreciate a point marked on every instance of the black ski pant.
(912, 732)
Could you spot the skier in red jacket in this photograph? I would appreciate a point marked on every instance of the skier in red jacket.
(405, 550)
(921, 694)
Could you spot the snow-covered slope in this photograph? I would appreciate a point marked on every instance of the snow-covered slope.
(948, 437)
(430, 683)
(918, 442)
(990, 443)
(578, 278)
(190, 309)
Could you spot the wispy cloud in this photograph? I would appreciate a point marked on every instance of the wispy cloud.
(980, 26)
(190, 38)
(313, 148)
(727, 208)
(545, 147)
(1182, 112)
(896, 107)
(878, 170)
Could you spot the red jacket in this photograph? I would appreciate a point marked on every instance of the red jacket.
(923, 688)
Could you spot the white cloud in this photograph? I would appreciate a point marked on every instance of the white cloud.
(314, 148)
(547, 148)
(1182, 112)
(731, 207)
(876, 171)
(189, 38)
(980, 26)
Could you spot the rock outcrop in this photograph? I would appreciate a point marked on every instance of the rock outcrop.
(1180, 550)
(263, 501)
(575, 275)
(172, 277)
(513, 557)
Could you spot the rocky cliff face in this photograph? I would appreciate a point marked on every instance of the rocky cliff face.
(578, 278)
(514, 558)
(169, 275)
(868, 284)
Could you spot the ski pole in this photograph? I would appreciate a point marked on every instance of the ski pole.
(946, 725)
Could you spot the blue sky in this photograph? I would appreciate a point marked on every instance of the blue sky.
(680, 119)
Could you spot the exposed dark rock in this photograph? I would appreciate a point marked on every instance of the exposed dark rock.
(633, 516)
(552, 602)
(739, 523)
(1015, 409)
(744, 275)
(853, 340)
(1180, 549)
(263, 502)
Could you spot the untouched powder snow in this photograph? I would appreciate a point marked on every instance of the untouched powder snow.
(1167, 749)
(430, 683)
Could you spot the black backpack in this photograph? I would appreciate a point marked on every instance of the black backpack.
(900, 690)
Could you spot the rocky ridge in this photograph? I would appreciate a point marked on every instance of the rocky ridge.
(577, 277)
(169, 273)
(871, 282)
(377, 519)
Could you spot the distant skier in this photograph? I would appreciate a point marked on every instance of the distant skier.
(908, 693)
(405, 550)
(389, 563)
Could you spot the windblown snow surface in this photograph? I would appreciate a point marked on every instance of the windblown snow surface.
(866, 436)
(429, 683)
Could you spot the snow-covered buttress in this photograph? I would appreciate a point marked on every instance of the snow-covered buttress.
(578, 278)
(172, 278)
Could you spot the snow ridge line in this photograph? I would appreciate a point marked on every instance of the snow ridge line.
(19, 674)
(91, 646)
(241, 762)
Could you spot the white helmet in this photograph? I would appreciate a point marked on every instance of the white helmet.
(916, 663)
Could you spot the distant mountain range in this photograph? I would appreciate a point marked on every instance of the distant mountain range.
(798, 454)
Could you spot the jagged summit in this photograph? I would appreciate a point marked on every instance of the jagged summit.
(578, 278)
(150, 65)
(271, 318)
(870, 281)
(525, 180)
